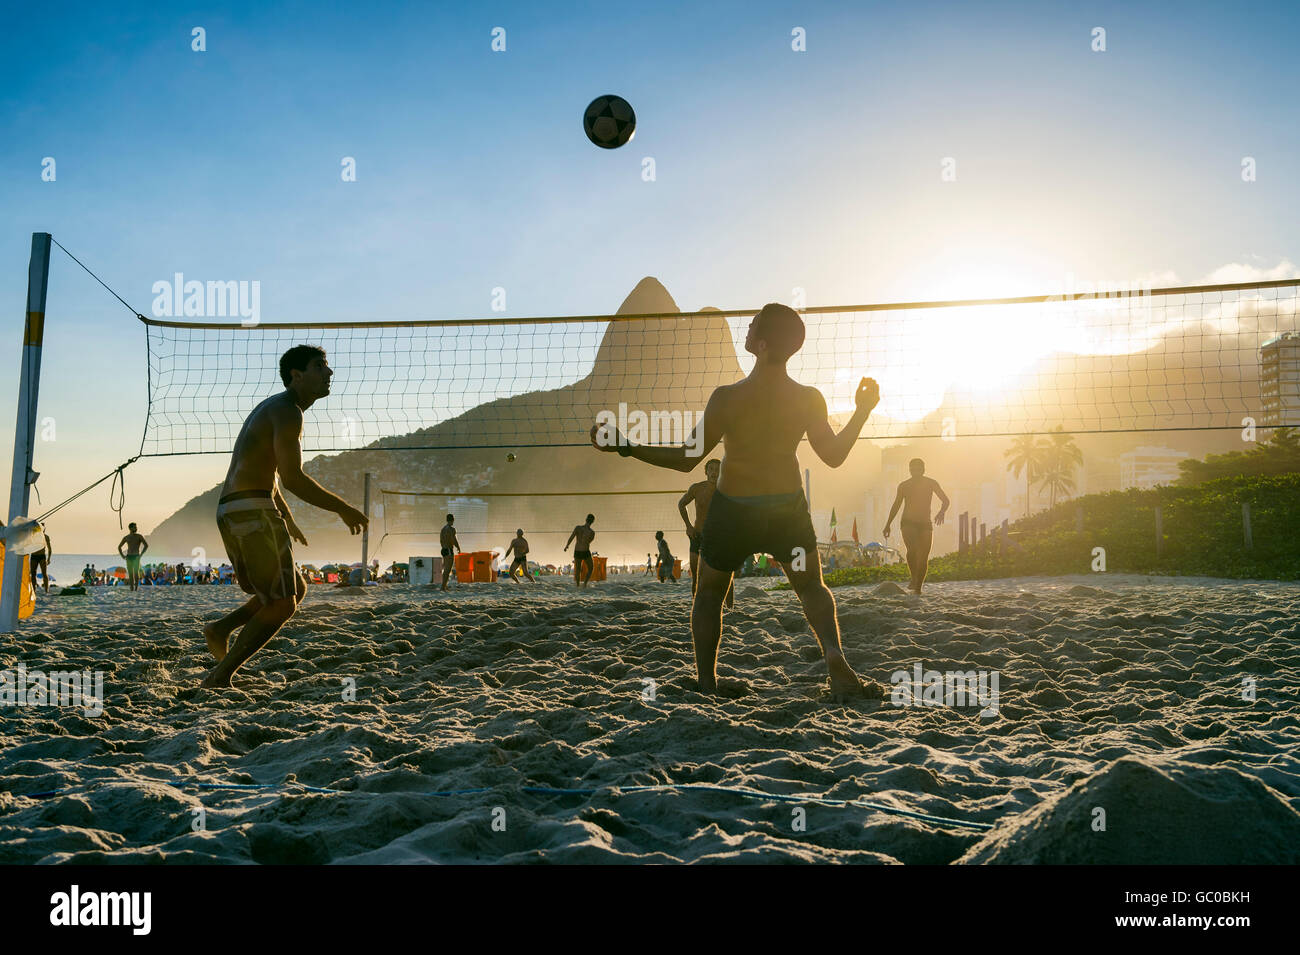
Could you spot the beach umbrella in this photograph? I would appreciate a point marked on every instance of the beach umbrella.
(116, 571)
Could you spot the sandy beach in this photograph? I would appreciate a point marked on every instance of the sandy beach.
(1123, 694)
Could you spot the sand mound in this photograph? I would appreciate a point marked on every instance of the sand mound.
(1156, 812)
(888, 589)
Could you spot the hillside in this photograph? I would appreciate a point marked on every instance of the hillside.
(1202, 535)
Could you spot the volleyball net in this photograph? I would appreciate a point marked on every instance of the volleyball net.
(1188, 358)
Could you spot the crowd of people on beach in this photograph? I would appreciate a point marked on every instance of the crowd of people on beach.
(158, 575)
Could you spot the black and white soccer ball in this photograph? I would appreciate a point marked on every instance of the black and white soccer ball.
(609, 121)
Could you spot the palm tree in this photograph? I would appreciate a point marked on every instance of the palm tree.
(1060, 457)
(1059, 482)
(1025, 455)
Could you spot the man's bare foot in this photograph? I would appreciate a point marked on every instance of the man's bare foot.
(845, 683)
(217, 641)
(211, 681)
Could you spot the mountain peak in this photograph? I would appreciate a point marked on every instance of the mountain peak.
(648, 298)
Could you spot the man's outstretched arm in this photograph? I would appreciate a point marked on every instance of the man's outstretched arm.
(685, 457)
(831, 447)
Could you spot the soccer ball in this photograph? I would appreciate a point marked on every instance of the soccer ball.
(510, 458)
(609, 121)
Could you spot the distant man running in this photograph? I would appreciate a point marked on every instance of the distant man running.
(581, 539)
(254, 520)
(918, 535)
(701, 492)
(520, 547)
(42, 559)
(759, 505)
(450, 548)
(136, 546)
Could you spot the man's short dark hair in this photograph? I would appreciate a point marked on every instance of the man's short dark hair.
(520, 532)
(915, 463)
(590, 518)
(659, 535)
(781, 327)
(130, 525)
(450, 518)
(298, 358)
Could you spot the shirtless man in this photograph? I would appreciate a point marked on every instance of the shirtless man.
(42, 559)
(759, 505)
(520, 547)
(136, 546)
(450, 548)
(701, 492)
(914, 497)
(581, 539)
(254, 520)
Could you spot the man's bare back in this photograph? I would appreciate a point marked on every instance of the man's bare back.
(762, 423)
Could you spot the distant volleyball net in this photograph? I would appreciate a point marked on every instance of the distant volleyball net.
(1192, 358)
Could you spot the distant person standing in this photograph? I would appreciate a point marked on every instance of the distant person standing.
(42, 559)
(581, 539)
(136, 547)
(701, 493)
(914, 496)
(519, 546)
(649, 565)
(665, 558)
(450, 548)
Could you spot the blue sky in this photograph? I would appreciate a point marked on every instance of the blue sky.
(775, 169)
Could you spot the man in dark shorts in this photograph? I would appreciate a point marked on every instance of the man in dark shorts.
(254, 520)
(136, 546)
(520, 548)
(450, 548)
(759, 505)
(581, 539)
(914, 496)
(42, 559)
(701, 492)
